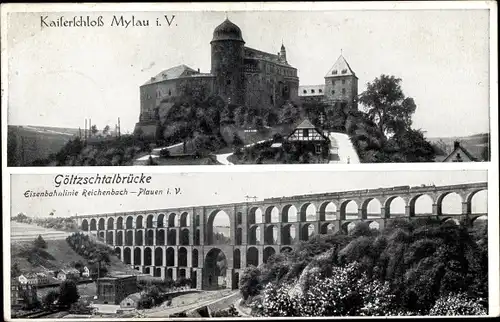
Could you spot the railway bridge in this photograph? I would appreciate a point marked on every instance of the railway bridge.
(184, 242)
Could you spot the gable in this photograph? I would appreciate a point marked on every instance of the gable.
(459, 154)
(306, 134)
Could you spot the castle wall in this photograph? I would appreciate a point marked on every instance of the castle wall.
(227, 67)
(269, 84)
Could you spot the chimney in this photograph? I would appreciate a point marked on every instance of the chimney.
(198, 70)
(456, 145)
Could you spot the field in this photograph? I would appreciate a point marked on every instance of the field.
(58, 254)
(29, 143)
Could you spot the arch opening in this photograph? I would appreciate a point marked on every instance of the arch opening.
(288, 234)
(289, 214)
(218, 230)
(272, 215)
(215, 267)
(327, 211)
(308, 212)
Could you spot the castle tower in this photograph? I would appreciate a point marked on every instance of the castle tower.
(227, 62)
(341, 85)
(283, 53)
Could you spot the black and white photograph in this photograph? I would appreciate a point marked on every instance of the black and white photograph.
(261, 244)
(230, 87)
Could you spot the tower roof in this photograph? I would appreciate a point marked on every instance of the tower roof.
(340, 68)
(227, 31)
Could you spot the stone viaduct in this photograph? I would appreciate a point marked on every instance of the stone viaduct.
(181, 242)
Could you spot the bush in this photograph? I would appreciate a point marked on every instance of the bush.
(457, 304)
(68, 293)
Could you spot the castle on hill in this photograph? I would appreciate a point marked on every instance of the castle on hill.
(243, 76)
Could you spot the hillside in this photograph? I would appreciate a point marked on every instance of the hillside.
(58, 253)
(475, 144)
(29, 143)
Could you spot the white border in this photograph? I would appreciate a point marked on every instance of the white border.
(492, 167)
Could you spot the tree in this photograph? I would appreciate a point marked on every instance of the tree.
(250, 282)
(105, 131)
(68, 293)
(15, 271)
(40, 242)
(387, 106)
(49, 299)
(237, 142)
(94, 129)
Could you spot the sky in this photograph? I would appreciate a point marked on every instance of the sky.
(209, 188)
(60, 76)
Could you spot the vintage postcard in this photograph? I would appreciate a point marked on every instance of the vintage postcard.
(362, 139)
(322, 243)
(229, 84)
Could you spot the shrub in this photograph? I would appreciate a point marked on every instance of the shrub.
(457, 304)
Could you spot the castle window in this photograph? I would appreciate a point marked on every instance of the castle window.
(149, 97)
(318, 148)
(343, 90)
(320, 90)
(344, 71)
(312, 91)
(305, 91)
(169, 93)
(286, 89)
(228, 82)
(343, 81)
(334, 72)
(333, 92)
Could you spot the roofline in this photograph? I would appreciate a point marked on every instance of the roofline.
(467, 153)
(182, 77)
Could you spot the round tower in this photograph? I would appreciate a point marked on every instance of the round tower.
(227, 62)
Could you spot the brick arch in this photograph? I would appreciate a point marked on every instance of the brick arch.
(119, 223)
(210, 224)
(388, 202)
(413, 202)
(129, 222)
(470, 196)
(172, 222)
(185, 219)
(101, 224)
(327, 228)
(323, 213)
(111, 223)
(160, 220)
(150, 219)
(269, 218)
(85, 225)
(304, 231)
(303, 211)
(364, 206)
(255, 215)
(285, 216)
(269, 235)
(442, 196)
(343, 207)
(139, 222)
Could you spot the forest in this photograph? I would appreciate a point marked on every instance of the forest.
(422, 267)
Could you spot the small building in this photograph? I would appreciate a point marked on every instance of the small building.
(22, 295)
(28, 279)
(85, 272)
(113, 289)
(131, 301)
(309, 138)
(68, 274)
(460, 154)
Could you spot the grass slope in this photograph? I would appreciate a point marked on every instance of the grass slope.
(58, 253)
(27, 144)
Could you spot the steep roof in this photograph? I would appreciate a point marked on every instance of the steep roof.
(460, 148)
(340, 68)
(305, 124)
(172, 73)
